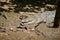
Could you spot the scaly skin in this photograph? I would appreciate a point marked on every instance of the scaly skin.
(47, 16)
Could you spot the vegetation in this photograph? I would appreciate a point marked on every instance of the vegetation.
(20, 5)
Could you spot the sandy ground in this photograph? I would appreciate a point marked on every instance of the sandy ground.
(40, 33)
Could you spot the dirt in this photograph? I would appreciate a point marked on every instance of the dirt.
(11, 32)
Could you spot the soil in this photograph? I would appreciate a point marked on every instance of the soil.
(41, 32)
